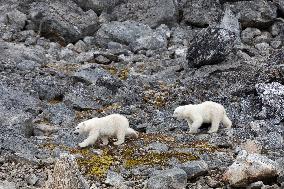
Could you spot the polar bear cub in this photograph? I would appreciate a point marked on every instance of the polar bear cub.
(206, 112)
(112, 125)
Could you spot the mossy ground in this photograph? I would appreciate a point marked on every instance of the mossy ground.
(133, 154)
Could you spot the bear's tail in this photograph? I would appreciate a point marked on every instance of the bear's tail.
(226, 121)
(131, 132)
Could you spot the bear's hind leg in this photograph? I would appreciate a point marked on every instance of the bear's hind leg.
(92, 138)
(120, 137)
(214, 126)
(105, 140)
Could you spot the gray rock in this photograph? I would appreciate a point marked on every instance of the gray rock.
(67, 54)
(150, 12)
(202, 13)
(211, 46)
(255, 13)
(102, 60)
(169, 178)
(66, 174)
(44, 130)
(85, 57)
(194, 169)
(80, 46)
(249, 34)
(160, 147)
(271, 95)
(27, 65)
(121, 32)
(136, 35)
(64, 22)
(114, 179)
(98, 5)
(7, 185)
(249, 168)
(81, 98)
(11, 20)
(32, 179)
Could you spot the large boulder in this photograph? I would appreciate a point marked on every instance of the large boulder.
(210, 46)
(249, 168)
(150, 12)
(255, 13)
(134, 34)
(202, 13)
(170, 178)
(62, 21)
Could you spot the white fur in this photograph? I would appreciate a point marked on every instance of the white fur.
(206, 112)
(112, 125)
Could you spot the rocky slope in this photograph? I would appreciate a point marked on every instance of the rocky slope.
(65, 61)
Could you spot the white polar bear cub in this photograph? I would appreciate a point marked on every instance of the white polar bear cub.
(206, 112)
(105, 127)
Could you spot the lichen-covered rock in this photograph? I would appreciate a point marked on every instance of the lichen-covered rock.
(150, 12)
(249, 168)
(210, 46)
(62, 21)
(116, 180)
(170, 178)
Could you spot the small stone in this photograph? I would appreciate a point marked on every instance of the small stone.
(114, 179)
(256, 185)
(32, 179)
(80, 46)
(102, 60)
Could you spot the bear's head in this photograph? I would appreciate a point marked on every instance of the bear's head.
(179, 113)
(80, 129)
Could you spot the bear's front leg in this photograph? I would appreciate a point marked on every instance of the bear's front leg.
(214, 126)
(120, 137)
(92, 138)
(195, 125)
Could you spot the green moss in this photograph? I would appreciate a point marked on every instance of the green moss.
(95, 165)
(154, 158)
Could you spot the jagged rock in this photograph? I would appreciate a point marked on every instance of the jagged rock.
(62, 21)
(170, 178)
(150, 12)
(272, 97)
(255, 13)
(249, 168)
(66, 175)
(194, 169)
(80, 46)
(210, 46)
(202, 13)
